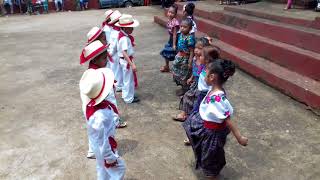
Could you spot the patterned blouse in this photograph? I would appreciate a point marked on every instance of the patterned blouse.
(197, 69)
(185, 42)
(171, 24)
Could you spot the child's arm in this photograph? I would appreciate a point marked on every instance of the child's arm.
(235, 131)
(189, 81)
(191, 58)
(126, 57)
(174, 45)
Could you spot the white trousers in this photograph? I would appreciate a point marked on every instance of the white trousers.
(116, 69)
(113, 173)
(128, 82)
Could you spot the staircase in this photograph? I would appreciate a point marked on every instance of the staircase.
(281, 51)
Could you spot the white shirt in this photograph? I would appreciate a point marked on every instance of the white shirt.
(113, 42)
(202, 84)
(107, 30)
(194, 26)
(125, 44)
(215, 107)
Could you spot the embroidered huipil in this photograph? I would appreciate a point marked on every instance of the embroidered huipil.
(215, 107)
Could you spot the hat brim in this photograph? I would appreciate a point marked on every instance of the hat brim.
(134, 24)
(97, 54)
(96, 36)
(108, 87)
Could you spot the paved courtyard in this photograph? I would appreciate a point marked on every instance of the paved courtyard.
(43, 133)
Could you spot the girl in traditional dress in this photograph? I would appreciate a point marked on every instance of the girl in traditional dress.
(188, 14)
(198, 64)
(169, 51)
(207, 129)
(183, 60)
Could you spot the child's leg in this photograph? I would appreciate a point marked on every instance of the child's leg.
(117, 172)
(128, 82)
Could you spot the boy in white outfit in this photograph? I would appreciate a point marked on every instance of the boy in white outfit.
(126, 52)
(95, 86)
(112, 39)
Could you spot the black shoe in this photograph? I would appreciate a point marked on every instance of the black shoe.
(135, 100)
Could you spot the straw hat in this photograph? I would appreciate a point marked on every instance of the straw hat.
(114, 17)
(95, 85)
(127, 20)
(108, 13)
(92, 50)
(93, 34)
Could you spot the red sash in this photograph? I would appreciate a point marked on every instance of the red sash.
(90, 110)
(135, 77)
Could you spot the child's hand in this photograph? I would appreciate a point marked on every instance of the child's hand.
(174, 48)
(243, 141)
(134, 68)
(189, 81)
(190, 67)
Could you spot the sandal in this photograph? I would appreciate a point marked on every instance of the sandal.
(164, 69)
(122, 124)
(178, 118)
(186, 142)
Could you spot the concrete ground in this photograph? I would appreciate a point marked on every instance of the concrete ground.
(43, 133)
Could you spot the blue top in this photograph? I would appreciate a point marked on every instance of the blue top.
(197, 69)
(185, 42)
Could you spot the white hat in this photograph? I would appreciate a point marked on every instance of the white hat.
(93, 34)
(108, 13)
(114, 17)
(92, 50)
(95, 85)
(127, 20)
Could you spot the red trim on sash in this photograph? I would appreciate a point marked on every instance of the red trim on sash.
(95, 35)
(84, 59)
(214, 125)
(114, 145)
(121, 34)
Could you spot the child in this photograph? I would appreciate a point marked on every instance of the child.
(114, 64)
(188, 14)
(198, 64)
(105, 27)
(169, 51)
(207, 130)
(210, 54)
(183, 59)
(95, 85)
(96, 53)
(126, 52)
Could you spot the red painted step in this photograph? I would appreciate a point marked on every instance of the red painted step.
(305, 38)
(294, 21)
(300, 87)
(299, 60)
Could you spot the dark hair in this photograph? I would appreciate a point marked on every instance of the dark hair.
(188, 22)
(175, 7)
(223, 68)
(204, 41)
(211, 53)
(189, 9)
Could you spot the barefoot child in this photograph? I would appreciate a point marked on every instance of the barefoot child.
(207, 130)
(198, 64)
(126, 52)
(95, 85)
(114, 63)
(169, 51)
(183, 59)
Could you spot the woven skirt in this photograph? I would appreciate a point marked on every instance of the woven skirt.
(207, 145)
(189, 98)
(168, 52)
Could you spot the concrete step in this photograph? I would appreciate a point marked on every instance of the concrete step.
(305, 38)
(301, 88)
(299, 60)
(288, 20)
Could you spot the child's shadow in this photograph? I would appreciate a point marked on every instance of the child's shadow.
(126, 146)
